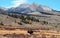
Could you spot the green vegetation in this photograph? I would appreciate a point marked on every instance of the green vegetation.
(28, 19)
(13, 15)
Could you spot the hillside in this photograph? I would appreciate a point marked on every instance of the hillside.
(31, 21)
(31, 16)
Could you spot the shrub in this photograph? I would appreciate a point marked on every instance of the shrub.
(1, 23)
(20, 23)
(44, 22)
(30, 31)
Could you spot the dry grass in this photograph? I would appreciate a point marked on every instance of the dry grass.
(24, 31)
(18, 32)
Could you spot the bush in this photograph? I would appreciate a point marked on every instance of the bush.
(28, 17)
(7, 16)
(44, 22)
(20, 23)
(1, 23)
(30, 31)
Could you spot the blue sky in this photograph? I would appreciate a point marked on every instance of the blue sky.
(54, 4)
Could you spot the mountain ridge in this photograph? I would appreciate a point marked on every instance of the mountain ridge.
(29, 7)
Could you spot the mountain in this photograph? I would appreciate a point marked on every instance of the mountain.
(31, 8)
(2, 9)
(27, 8)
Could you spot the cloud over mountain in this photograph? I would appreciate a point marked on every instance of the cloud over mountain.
(16, 3)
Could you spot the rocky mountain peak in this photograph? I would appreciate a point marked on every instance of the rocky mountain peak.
(28, 8)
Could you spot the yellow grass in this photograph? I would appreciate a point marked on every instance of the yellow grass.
(22, 31)
(13, 31)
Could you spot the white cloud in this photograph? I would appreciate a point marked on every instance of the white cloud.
(16, 3)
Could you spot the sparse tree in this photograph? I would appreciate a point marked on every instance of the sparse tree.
(44, 22)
